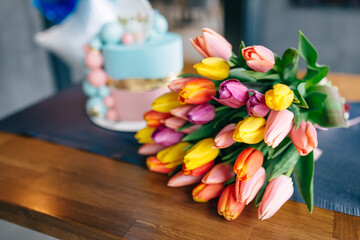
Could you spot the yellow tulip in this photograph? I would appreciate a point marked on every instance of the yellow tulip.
(279, 98)
(166, 102)
(251, 130)
(144, 135)
(174, 155)
(200, 154)
(214, 68)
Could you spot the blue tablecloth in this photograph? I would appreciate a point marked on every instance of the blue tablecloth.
(62, 119)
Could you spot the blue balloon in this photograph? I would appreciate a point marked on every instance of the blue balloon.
(89, 90)
(160, 23)
(55, 10)
(111, 33)
(96, 43)
(95, 107)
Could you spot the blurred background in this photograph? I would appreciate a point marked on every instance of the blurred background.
(29, 73)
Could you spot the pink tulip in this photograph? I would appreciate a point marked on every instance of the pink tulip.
(233, 93)
(180, 180)
(181, 112)
(278, 126)
(256, 105)
(279, 190)
(259, 58)
(246, 191)
(191, 129)
(224, 138)
(222, 172)
(166, 136)
(228, 207)
(174, 122)
(201, 114)
(176, 84)
(204, 192)
(212, 44)
(150, 149)
(304, 138)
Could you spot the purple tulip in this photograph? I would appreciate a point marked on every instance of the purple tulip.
(256, 105)
(201, 114)
(166, 136)
(233, 93)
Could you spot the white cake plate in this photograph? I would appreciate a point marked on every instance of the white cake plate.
(122, 126)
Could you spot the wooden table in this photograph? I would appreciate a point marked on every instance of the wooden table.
(72, 194)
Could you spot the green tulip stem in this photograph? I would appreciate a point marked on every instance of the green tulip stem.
(230, 181)
(288, 173)
(218, 109)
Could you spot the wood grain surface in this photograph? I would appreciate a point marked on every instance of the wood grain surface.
(72, 194)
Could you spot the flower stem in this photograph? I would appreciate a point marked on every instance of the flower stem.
(288, 173)
(218, 109)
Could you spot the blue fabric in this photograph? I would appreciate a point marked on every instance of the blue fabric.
(62, 119)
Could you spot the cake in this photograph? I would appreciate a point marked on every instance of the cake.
(129, 63)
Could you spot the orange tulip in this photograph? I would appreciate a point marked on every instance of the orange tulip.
(204, 192)
(248, 162)
(154, 118)
(197, 91)
(228, 207)
(155, 165)
(199, 171)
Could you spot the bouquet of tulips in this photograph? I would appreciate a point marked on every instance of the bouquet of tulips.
(243, 125)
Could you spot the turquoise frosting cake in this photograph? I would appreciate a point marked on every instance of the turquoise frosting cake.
(128, 69)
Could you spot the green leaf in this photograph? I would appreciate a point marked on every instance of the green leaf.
(258, 86)
(315, 75)
(268, 165)
(304, 178)
(299, 94)
(332, 113)
(186, 125)
(290, 61)
(282, 146)
(278, 66)
(175, 170)
(274, 77)
(185, 75)
(307, 50)
(315, 100)
(188, 147)
(285, 162)
(241, 59)
(295, 110)
(237, 73)
(270, 152)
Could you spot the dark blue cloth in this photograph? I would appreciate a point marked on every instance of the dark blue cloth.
(62, 119)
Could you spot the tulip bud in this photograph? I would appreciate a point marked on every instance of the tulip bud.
(279, 190)
(180, 180)
(155, 165)
(201, 114)
(144, 135)
(166, 136)
(304, 138)
(150, 148)
(248, 163)
(174, 122)
(251, 130)
(181, 112)
(256, 105)
(154, 118)
(212, 44)
(246, 191)
(197, 91)
(233, 93)
(214, 68)
(204, 192)
(199, 171)
(166, 102)
(222, 172)
(176, 84)
(228, 207)
(258, 58)
(279, 98)
(278, 126)
(224, 138)
(191, 129)
(200, 154)
(173, 156)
